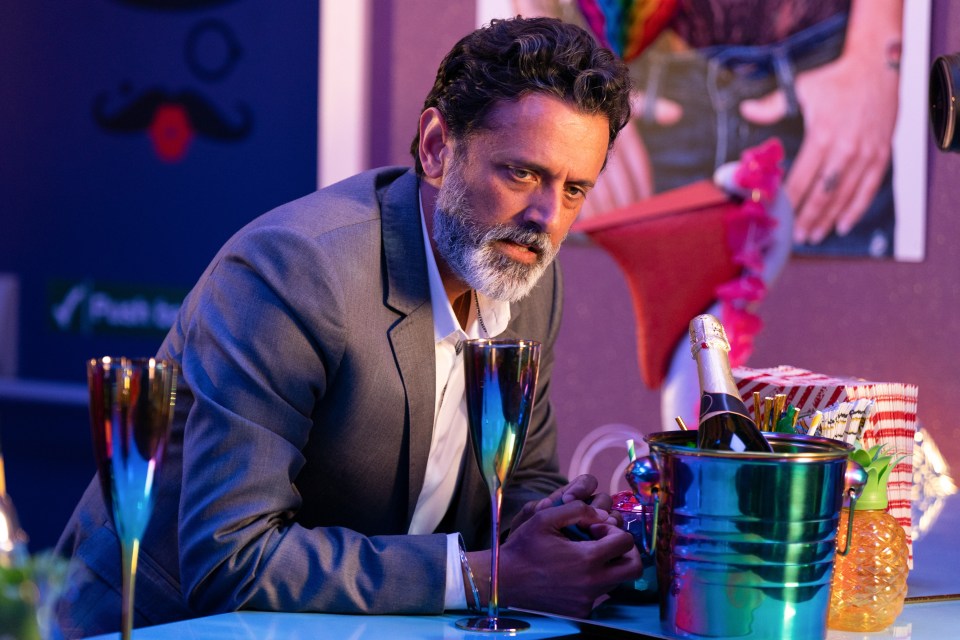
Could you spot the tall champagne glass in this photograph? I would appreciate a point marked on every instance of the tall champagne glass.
(131, 406)
(501, 383)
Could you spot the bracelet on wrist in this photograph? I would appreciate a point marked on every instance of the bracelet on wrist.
(468, 572)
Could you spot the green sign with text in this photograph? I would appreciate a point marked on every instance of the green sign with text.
(107, 308)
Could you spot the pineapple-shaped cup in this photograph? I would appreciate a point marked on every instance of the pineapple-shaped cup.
(870, 582)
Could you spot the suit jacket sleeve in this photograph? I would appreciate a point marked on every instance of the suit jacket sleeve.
(267, 340)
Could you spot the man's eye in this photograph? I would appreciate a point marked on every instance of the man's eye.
(576, 192)
(520, 173)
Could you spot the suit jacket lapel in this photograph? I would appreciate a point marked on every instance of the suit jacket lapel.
(412, 336)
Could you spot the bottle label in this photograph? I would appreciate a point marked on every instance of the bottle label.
(712, 404)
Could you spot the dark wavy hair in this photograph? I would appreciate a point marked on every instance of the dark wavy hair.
(510, 58)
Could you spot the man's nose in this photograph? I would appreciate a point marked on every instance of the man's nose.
(544, 210)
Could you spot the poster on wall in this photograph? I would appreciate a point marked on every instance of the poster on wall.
(137, 136)
(850, 111)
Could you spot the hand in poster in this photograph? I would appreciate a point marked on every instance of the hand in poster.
(849, 110)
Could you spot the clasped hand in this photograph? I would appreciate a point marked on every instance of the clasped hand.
(542, 569)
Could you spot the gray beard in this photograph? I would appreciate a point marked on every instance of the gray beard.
(469, 249)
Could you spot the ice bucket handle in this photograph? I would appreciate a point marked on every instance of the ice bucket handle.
(644, 478)
(854, 479)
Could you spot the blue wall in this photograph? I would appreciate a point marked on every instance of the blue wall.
(135, 137)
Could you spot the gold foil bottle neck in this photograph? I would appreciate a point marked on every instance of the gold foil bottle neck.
(706, 332)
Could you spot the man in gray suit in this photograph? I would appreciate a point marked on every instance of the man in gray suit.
(319, 457)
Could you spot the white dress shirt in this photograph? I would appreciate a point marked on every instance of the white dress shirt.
(449, 441)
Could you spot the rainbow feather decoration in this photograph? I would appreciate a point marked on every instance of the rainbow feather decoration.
(626, 27)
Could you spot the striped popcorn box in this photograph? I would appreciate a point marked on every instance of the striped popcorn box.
(893, 420)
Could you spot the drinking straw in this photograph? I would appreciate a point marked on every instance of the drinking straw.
(862, 410)
(815, 422)
(683, 427)
(779, 400)
(631, 450)
(794, 417)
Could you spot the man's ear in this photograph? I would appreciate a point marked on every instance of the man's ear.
(435, 144)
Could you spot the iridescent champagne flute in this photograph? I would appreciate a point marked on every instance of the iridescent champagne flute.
(131, 406)
(501, 383)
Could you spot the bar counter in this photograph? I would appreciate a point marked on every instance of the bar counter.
(932, 611)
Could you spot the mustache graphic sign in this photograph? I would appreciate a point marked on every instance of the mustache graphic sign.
(172, 120)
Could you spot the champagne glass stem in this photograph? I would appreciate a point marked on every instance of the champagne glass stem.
(131, 550)
(493, 604)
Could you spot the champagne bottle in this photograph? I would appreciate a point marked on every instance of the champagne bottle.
(724, 421)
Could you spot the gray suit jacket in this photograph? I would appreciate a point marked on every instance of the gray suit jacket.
(303, 423)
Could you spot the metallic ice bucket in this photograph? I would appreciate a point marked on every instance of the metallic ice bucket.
(746, 541)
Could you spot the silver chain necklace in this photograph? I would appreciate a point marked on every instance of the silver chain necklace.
(480, 317)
